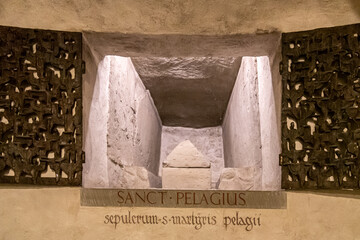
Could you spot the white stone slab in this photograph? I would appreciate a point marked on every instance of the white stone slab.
(241, 126)
(247, 178)
(186, 155)
(186, 178)
(133, 177)
(133, 123)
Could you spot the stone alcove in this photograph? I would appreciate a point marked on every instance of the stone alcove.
(143, 95)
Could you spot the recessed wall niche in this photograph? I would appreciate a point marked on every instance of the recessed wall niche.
(146, 98)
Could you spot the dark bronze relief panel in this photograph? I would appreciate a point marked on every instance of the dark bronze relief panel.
(320, 108)
(40, 107)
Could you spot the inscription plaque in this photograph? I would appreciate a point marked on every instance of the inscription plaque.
(183, 198)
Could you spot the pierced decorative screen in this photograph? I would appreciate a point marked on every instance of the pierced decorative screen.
(320, 108)
(40, 106)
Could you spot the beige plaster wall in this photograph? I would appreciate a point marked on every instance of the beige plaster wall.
(55, 213)
(179, 16)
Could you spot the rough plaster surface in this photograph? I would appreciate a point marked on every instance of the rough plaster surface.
(191, 91)
(186, 178)
(240, 179)
(186, 155)
(145, 46)
(33, 213)
(179, 16)
(207, 140)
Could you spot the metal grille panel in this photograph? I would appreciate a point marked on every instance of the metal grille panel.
(320, 108)
(40, 107)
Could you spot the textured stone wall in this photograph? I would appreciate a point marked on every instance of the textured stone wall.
(241, 126)
(134, 126)
(123, 129)
(250, 128)
(270, 137)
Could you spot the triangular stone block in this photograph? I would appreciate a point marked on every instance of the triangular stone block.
(186, 155)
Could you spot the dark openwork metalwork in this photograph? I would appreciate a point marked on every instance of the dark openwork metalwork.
(320, 108)
(40, 106)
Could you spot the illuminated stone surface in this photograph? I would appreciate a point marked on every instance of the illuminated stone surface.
(186, 155)
(186, 178)
(122, 125)
(246, 178)
(208, 141)
(134, 178)
(186, 168)
(250, 128)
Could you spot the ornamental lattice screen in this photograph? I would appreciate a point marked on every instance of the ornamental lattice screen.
(320, 108)
(40, 106)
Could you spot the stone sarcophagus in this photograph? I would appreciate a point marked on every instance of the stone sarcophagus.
(186, 168)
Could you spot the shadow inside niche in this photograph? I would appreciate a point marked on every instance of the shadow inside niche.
(356, 6)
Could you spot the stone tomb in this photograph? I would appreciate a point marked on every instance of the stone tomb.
(178, 117)
(186, 168)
